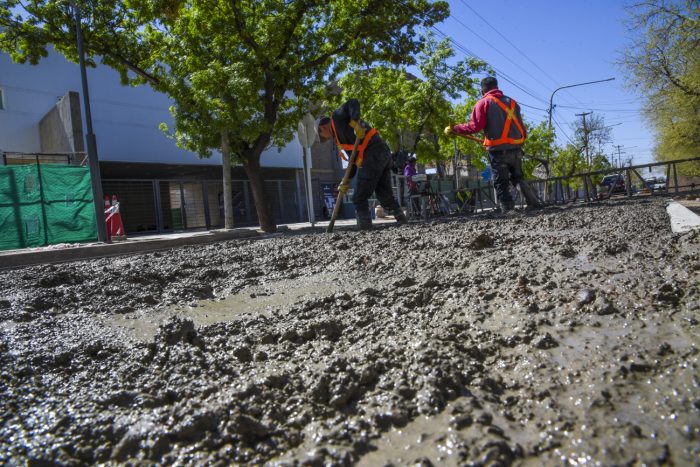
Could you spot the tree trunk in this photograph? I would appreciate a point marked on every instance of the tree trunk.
(266, 215)
(228, 188)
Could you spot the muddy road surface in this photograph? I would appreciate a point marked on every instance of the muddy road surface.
(565, 336)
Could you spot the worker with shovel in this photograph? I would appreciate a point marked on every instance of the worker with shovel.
(504, 135)
(372, 161)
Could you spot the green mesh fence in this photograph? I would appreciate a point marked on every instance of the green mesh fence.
(44, 205)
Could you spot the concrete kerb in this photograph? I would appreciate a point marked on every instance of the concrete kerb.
(682, 218)
(20, 258)
(134, 245)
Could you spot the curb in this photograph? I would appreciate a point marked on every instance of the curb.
(682, 218)
(31, 258)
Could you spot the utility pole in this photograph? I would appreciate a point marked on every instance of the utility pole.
(90, 137)
(619, 157)
(585, 136)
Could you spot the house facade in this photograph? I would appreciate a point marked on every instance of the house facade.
(160, 187)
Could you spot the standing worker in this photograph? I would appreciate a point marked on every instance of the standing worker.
(372, 165)
(504, 135)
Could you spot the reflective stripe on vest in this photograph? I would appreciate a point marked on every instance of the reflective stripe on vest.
(510, 117)
(349, 147)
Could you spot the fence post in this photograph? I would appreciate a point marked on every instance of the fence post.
(246, 200)
(43, 202)
(183, 209)
(205, 198)
(280, 201)
(158, 205)
(628, 181)
(675, 177)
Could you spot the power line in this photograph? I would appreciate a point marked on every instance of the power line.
(563, 131)
(596, 109)
(532, 107)
(497, 50)
(500, 74)
(519, 51)
(508, 41)
(612, 102)
(515, 47)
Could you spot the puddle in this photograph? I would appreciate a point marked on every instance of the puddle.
(265, 299)
(437, 439)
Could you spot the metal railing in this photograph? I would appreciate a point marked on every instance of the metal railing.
(586, 187)
(580, 187)
(22, 158)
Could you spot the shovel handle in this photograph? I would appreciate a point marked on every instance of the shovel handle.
(346, 180)
(473, 138)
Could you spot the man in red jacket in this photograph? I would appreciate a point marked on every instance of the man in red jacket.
(504, 134)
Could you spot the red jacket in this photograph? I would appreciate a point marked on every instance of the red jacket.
(478, 120)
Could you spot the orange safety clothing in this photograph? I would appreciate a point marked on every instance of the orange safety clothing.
(349, 147)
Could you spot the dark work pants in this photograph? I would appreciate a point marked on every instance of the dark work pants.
(374, 176)
(506, 169)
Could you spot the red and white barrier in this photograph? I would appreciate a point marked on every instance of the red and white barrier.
(113, 219)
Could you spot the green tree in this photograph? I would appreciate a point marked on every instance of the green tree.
(240, 73)
(664, 64)
(538, 148)
(568, 161)
(472, 150)
(411, 112)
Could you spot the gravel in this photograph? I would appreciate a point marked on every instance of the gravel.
(568, 335)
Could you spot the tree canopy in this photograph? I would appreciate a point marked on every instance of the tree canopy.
(664, 61)
(411, 111)
(241, 71)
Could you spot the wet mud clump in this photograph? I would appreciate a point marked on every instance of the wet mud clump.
(565, 336)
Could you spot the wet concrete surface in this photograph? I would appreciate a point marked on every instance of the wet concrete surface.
(568, 335)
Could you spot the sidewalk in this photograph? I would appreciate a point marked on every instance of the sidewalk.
(684, 214)
(64, 252)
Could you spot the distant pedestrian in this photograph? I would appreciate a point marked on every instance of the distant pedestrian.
(411, 185)
(373, 163)
(504, 135)
(408, 172)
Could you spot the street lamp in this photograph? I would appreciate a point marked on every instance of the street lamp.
(90, 136)
(570, 86)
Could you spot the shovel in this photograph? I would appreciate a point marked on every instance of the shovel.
(343, 185)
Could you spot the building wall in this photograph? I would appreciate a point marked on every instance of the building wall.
(61, 129)
(126, 119)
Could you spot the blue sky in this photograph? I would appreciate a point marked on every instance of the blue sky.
(557, 43)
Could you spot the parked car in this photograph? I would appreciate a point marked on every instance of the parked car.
(654, 184)
(616, 181)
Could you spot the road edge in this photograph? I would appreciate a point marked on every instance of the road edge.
(682, 218)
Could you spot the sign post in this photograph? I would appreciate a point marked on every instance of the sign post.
(307, 136)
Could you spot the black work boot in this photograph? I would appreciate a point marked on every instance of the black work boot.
(535, 206)
(364, 222)
(506, 206)
(533, 201)
(400, 218)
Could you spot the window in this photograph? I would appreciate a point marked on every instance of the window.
(2, 99)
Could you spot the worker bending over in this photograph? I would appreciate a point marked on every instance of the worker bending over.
(504, 135)
(373, 162)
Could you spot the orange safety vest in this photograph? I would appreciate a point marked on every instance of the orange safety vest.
(349, 147)
(510, 117)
